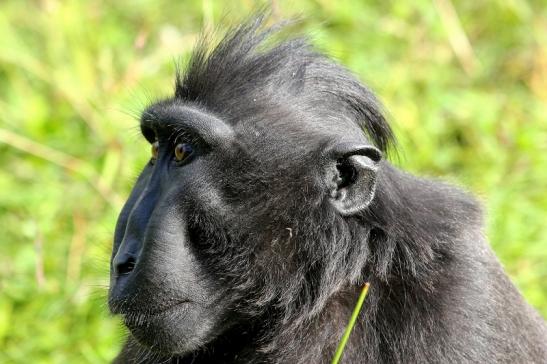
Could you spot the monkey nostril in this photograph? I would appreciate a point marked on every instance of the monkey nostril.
(125, 266)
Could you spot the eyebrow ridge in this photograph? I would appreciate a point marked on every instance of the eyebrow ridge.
(210, 128)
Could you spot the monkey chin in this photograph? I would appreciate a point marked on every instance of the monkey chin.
(178, 330)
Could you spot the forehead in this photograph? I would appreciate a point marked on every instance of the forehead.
(281, 130)
(299, 129)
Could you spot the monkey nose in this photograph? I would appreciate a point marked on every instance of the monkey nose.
(123, 263)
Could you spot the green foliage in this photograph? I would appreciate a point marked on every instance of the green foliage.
(466, 89)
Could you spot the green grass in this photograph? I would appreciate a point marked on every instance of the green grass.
(351, 323)
(466, 91)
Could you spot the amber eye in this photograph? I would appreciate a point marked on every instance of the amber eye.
(155, 150)
(182, 151)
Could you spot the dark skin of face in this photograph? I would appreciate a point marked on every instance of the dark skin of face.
(156, 282)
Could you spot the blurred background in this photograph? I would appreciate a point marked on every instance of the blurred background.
(464, 83)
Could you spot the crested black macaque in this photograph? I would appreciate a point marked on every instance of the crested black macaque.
(268, 203)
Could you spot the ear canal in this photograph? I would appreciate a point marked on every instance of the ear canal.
(347, 173)
(356, 183)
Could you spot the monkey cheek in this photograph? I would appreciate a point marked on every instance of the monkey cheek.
(179, 330)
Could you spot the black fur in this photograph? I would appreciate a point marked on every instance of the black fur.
(248, 233)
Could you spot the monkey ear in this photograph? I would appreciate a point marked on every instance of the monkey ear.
(355, 180)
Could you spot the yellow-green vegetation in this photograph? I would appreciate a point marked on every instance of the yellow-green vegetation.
(464, 83)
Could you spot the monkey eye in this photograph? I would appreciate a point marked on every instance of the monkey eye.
(182, 151)
(155, 150)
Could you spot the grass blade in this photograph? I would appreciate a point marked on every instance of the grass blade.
(349, 328)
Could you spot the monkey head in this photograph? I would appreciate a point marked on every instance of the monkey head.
(260, 164)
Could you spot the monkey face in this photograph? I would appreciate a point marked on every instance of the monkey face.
(217, 221)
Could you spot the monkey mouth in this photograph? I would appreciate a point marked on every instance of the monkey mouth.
(138, 317)
(173, 330)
